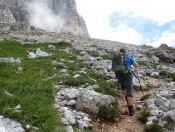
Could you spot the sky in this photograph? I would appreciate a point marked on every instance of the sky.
(150, 22)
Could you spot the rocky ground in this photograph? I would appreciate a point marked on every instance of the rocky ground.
(123, 123)
(161, 102)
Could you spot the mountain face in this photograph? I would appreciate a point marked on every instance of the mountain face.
(18, 15)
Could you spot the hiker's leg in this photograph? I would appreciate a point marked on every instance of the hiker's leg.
(125, 95)
(130, 100)
(121, 81)
(129, 92)
(128, 86)
(129, 95)
(124, 92)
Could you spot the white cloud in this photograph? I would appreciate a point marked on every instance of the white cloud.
(126, 34)
(96, 14)
(43, 17)
(167, 37)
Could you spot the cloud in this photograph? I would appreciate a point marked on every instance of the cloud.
(140, 22)
(124, 33)
(167, 37)
(41, 16)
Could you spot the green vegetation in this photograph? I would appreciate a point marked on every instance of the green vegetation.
(163, 73)
(167, 75)
(93, 53)
(108, 56)
(144, 114)
(32, 87)
(108, 112)
(107, 88)
(155, 127)
(149, 87)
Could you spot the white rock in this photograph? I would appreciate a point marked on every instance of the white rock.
(69, 129)
(76, 76)
(149, 123)
(28, 126)
(18, 107)
(32, 55)
(41, 53)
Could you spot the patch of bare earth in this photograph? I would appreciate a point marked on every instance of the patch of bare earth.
(122, 123)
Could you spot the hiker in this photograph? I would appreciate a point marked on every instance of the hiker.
(121, 65)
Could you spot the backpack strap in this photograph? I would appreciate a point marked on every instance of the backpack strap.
(129, 71)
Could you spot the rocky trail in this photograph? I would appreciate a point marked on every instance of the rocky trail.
(125, 123)
(122, 123)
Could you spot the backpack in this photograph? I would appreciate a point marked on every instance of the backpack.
(119, 64)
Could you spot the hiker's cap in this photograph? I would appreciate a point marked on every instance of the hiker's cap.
(123, 50)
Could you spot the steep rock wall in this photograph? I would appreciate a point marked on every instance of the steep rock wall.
(14, 15)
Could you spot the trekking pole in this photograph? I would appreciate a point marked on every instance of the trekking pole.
(137, 76)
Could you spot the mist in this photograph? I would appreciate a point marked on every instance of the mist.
(41, 16)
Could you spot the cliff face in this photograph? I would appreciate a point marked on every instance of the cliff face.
(15, 15)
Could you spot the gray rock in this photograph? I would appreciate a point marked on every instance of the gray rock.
(90, 101)
(69, 116)
(69, 129)
(70, 94)
(8, 125)
(65, 121)
(159, 102)
(10, 60)
(172, 116)
(149, 123)
(154, 74)
(152, 118)
(172, 104)
(171, 70)
(71, 102)
(164, 93)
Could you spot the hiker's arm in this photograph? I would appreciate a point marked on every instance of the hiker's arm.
(136, 65)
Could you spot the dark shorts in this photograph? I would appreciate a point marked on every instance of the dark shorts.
(126, 83)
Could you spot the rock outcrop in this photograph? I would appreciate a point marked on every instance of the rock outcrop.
(16, 15)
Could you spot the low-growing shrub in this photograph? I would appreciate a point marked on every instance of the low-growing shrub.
(100, 90)
(155, 127)
(149, 87)
(108, 56)
(108, 88)
(93, 53)
(82, 80)
(108, 112)
(144, 114)
(163, 73)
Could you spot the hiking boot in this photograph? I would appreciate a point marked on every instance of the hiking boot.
(131, 110)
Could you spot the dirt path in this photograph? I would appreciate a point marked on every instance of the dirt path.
(123, 123)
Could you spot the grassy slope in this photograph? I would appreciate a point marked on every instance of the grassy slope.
(31, 87)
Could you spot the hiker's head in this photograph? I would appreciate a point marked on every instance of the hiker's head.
(122, 50)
